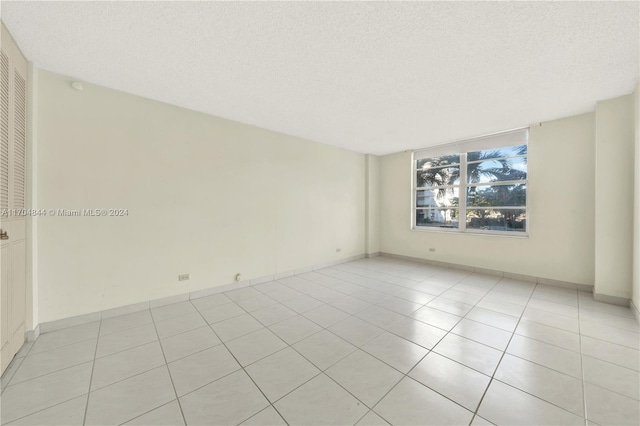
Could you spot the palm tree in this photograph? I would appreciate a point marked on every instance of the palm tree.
(505, 171)
(438, 174)
(502, 173)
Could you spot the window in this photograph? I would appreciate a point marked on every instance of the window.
(477, 185)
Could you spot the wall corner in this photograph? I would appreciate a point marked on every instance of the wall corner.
(32, 319)
(372, 204)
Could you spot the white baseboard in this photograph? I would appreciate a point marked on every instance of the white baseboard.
(46, 327)
(511, 275)
(49, 326)
(635, 311)
(109, 313)
(32, 335)
(612, 300)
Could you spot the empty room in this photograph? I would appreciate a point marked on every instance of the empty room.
(320, 213)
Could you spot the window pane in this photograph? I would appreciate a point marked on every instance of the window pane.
(438, 176)
(444, 160)
(497, 196)
(437, 218)
(443, 197)
(507, 151)
(497, 170)
(497, 220)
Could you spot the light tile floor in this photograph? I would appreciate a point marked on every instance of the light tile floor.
(374, 341)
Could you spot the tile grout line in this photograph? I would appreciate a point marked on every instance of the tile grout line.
(406, 316)
(146, 412)
(350, 315)
(166, 365)
(129, 377)
(532, 296)
(182, 396)
(562, 329)
(528, 393)
(321, 372)
(59, 347)
(48, 407)
(207, 324)
(360, 348)
(49, 373)
(513, 333)
(406, 375)
(18, 362)
(495, 370)
(584, 390)
(544, 400)
(106, 356)
(608, 389)
(93, 366)
(365, 415)
(486, 294)
(241, 367)
(428, 350)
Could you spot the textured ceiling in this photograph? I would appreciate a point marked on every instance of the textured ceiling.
(371, 77)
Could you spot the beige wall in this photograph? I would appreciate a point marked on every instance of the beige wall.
(206, 196)
(372, 218)
(614, 197)
(636, 208)
(31, 201)
(212, 198)
(561, 241)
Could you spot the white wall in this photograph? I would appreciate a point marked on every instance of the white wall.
(206, 196)
(636, 208)
(372, 218)
(212, 197)
(31, 200)
(561, 216)
(614, 197)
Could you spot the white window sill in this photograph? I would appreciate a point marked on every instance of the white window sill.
(504, 234)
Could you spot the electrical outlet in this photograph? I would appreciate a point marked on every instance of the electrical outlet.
(432, 249)
(183, 277)
(338, 250)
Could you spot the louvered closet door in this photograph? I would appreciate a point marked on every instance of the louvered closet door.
(13, 129)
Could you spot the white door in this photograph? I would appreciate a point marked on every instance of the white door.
(13, 129)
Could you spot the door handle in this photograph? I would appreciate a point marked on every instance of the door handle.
(3, 235)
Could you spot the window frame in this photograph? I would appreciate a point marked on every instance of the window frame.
(464, 186)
